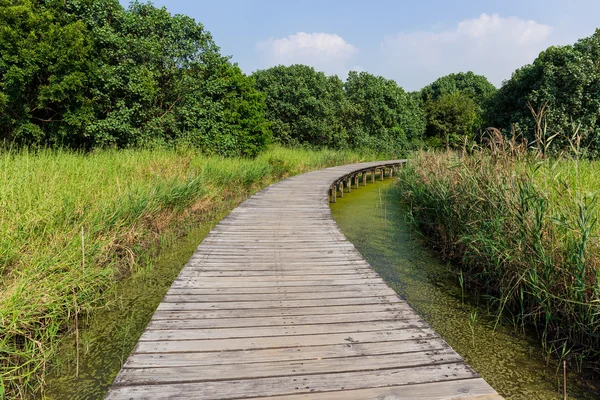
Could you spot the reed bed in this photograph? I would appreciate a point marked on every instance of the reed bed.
(72, 225)
(523, 230)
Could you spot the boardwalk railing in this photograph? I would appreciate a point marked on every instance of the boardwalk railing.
(276, 304)
(352, 179)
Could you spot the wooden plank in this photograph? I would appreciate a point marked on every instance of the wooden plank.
(239, 270)
(204, 264)
(269, 312)
(385, 290)
(203, 323)
(282, 330)
(243, 305)
(224, 297)
(248, 388)
(240, 283)
(196, 373)
(467, 389)
(281, 341)
(346, 350)
(290, 275)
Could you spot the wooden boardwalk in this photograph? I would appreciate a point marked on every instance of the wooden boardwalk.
(276, 304)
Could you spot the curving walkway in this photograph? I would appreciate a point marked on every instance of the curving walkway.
(276, 304)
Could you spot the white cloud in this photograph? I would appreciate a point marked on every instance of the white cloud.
(325, 51)
(490, 45)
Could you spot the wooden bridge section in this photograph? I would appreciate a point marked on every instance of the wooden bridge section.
(276, 304)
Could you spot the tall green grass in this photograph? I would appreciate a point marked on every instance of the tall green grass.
(524, 231)
(72, 225)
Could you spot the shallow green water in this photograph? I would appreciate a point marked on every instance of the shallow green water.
(111, 335)
(372, 218)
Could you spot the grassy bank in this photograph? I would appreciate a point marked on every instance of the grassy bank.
(71, 225)
(524, 232)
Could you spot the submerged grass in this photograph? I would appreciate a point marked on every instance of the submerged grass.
(72, 225)
(524, 231)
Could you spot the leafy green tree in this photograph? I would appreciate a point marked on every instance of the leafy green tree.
(88, 73)
(478, 87)
(451, 117)
(567, 80)
(381, 115)
(304, 106)
(45, 59)
(463, 92)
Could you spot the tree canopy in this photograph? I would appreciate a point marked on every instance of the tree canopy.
(309, 108)
(455, 105)
(85, 74)
(88, 73)
(304, 106)
(451, 118)
(564, 78)
(477, 87)
(382, 115)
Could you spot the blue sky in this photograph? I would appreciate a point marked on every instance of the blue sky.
(411, 42)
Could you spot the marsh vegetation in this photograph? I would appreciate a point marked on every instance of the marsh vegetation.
(524, 232)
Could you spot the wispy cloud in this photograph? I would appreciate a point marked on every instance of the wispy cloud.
(325, 51)
(490, 45)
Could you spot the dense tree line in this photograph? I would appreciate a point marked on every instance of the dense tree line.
(306, 107)
(562, 86)
(88, 73)
(84, 74)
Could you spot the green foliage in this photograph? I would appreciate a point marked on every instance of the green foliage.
(44, 62)
(381, 114)
(304, 106)
(477, 87)
(88, 73)
(307, 107)
(451, 117)
(455, 105)
(524, 231)
(567, 79)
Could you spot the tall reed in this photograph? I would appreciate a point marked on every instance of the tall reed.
(524, 230)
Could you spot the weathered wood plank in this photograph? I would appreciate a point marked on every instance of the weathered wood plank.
(468, 389)
(239, 283)
(234, 305)
(333, 294)
(196, 373)
(273, 386)
(285, 330)
(203, 323)
(385, 290)
(346, 350)
(266, 312)
(239, 270)
(281, 341)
